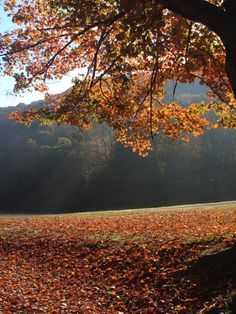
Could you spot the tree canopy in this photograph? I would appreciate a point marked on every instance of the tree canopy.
(130, 49)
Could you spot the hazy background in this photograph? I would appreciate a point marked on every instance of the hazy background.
(61, 169)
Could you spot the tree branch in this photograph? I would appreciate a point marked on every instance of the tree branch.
(200, 11)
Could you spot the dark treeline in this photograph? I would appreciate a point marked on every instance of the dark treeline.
(62, 169)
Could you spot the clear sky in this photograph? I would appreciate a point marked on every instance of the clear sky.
(7, 98)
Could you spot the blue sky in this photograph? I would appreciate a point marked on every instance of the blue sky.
(7, 98)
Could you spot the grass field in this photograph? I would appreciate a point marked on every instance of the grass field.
(117, 262)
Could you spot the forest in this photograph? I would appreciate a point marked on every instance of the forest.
(54, 169)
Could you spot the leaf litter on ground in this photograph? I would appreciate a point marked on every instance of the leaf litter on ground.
(127, 263)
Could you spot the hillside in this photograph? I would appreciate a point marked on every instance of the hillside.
(60, 168)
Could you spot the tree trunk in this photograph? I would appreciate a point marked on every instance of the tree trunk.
(230, 65)
(219, 19)
(228, 38)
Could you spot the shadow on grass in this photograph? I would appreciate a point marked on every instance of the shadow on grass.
(214, 277)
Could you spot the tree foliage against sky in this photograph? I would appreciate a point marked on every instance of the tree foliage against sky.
(130, 49)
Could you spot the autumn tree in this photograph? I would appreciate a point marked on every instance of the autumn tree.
(130, 50)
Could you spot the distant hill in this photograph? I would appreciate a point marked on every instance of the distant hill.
(61, 169)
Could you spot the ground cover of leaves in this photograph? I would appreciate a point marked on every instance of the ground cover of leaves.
(116, 263)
